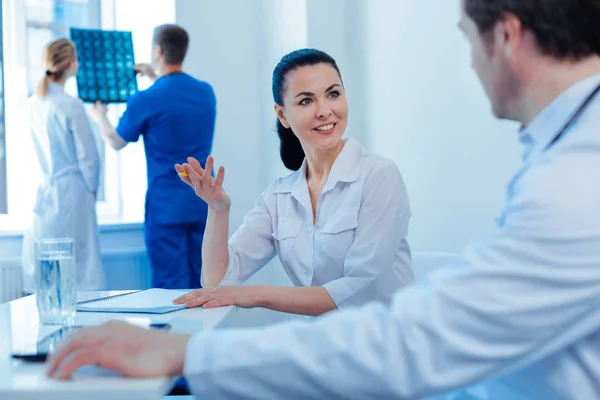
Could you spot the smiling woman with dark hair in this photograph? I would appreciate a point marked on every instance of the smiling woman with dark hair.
(338, 223)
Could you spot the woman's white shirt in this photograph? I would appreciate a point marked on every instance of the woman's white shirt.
(357, 249)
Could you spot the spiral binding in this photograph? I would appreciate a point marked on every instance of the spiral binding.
(114, 296)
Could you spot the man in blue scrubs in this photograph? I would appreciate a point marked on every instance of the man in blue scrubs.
(176, 117)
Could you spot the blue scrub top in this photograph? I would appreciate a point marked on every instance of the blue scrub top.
(176, 116)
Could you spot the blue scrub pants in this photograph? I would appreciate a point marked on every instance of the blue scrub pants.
(175, 253)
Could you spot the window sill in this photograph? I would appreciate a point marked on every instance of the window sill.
(107, 227)
(120, 226)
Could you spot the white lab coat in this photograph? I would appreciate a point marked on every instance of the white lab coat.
(66, 198)
(522, 314)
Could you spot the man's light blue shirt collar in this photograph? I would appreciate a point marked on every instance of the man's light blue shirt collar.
(544, 128)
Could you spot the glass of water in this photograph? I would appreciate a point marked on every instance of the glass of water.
(55, 281)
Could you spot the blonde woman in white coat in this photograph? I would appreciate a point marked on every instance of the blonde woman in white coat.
(70, 165)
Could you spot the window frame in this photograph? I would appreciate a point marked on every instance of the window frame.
(124, 171)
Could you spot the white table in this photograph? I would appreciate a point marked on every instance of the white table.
(21, 380)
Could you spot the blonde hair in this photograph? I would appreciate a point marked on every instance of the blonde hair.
(58, 56)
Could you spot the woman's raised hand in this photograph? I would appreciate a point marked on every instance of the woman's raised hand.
(206, 187)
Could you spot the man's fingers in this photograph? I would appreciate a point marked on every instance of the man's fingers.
(77, 359)
(72, 343)
(83, 339)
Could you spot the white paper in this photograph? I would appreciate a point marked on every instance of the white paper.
(146, 299)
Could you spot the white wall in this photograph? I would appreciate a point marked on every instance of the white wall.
(338, 28)
(284, 30)
(428, 113)
(412, 94)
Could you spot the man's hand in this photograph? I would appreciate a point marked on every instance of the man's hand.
(99, 111)
(146, 70)
(122, 347)
(107, 131)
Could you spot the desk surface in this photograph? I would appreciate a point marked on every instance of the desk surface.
(20, 380)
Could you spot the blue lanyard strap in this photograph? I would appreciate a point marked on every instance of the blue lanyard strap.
(578, 113)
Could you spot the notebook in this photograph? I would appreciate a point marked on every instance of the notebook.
(151, 301)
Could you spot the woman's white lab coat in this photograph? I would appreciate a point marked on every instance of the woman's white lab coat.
(66, 198)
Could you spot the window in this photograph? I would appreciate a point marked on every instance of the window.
(30, 25)
(47, 20)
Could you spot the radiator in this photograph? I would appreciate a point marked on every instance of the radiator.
(10, 281)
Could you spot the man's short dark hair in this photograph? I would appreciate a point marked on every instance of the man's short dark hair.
(564, 29)
(173, 41)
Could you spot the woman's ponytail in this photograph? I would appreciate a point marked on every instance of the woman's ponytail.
(290, 148)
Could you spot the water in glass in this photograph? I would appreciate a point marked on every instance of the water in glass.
(55, 274)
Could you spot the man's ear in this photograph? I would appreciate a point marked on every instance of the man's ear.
(159, 50)
(509, 35)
